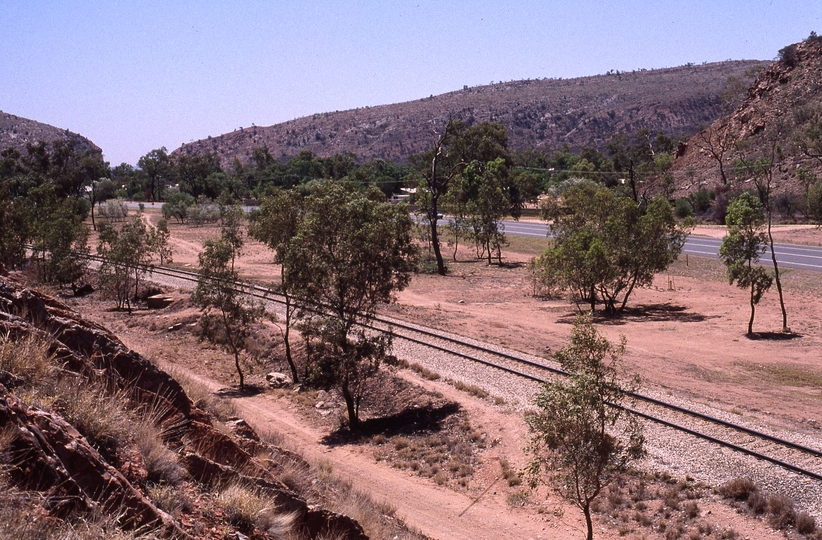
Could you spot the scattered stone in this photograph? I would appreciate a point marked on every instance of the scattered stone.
(174, 327)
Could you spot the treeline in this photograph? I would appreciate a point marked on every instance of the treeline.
(159, 174)
(45, 199)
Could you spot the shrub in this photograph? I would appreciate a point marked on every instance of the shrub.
(113, 210)
(782, 512)
(701, 200)
(739, 489)
(177, 205)
(805, 523)
(757, 502)
(683, 208)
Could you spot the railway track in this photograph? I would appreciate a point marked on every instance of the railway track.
(789, 455)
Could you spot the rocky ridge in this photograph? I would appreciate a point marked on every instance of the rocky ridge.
(784, 100)
(62, 475)
(16, 132)
(585, 111)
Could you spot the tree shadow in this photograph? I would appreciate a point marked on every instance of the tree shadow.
(772, 336)
(248, 390)
(406, 422)
(510, 264)
(644, 312)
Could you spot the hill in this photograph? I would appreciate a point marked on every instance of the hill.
(545, 113)
(781, 109)
(16, 132)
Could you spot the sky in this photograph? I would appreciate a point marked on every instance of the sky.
(134, 75)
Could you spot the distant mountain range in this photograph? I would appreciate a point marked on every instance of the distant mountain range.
(16, 132)
(541, 113)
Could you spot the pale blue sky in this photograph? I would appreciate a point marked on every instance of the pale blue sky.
(136, 75)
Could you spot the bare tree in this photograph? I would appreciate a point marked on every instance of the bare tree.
(716, 141)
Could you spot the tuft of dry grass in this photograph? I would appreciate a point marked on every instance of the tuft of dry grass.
(170, 499)
(472, 389)
(805, 523)
(162, 465)
(424, 372)
(247, 507)
(510, 474)
(27, 359)
(782, 512)
(518, 498)
(738, 488)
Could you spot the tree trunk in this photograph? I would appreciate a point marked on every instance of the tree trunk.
(353, 416)
(435, 239)
(239, 369)
(586, 510)
(785, 328)
(286, 332)
(753, 311)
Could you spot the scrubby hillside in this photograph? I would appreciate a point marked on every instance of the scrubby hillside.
(538, 113)
(780, 116)
(16, 132)
(96, 442)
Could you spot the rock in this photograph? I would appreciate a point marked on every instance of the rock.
(159, 301)
(240, 428)
(84, 290)
(277, 380)
(322, 394)
(54, 459)
(321, 522)
(174, 327)
(86, 347)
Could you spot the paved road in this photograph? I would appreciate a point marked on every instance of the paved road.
(789, 255)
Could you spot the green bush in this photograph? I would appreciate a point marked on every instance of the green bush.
(701, 200)
(683, 208)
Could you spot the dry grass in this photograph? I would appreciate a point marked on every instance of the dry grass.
(170, 499)
(247, 507)
(510, 474)
(784, 374)
(425, 373)
(161, 464)
(739, 489)
(471, 389)
(439, 456)
(204, 399)
(518, 498)
(27, 359)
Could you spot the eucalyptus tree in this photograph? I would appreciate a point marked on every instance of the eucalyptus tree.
(351, 252)
(581, 433)
(606, 245)
(740, 249)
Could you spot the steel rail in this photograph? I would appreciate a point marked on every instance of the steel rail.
(267, 294)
